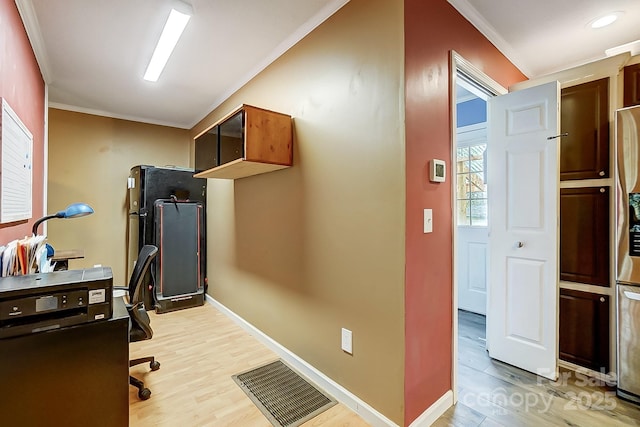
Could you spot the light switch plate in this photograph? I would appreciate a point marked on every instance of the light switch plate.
(347, 341)
(428, 220)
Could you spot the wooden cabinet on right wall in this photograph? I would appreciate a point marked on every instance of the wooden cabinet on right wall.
(584, 235)
(584, 329)
(585, 230)
(631, 85)
(584, 116)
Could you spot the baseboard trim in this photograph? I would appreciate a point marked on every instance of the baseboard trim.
(608, 378)
(341, 394)
(434, 411)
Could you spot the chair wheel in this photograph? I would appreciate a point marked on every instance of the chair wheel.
(144, 393)
(155, 365)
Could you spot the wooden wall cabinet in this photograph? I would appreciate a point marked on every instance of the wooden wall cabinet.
(247, 141)
(584, 329)
(584, 111)
(631, 94)
(584, 235)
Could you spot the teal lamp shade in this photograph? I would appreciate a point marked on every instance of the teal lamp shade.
(74, 210)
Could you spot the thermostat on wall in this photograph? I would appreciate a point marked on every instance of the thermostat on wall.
(437, 170)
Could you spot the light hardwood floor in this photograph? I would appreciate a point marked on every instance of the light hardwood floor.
(199, 349)
(491, 393)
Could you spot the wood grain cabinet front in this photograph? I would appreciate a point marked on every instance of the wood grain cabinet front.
(631, 94)
(584, 111)
(584, 235)
(584, 329)
(247, 141)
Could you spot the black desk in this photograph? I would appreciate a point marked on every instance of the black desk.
(73, 376)
(62, 257)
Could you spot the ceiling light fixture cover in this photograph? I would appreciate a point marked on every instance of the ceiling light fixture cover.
(171, 33)
(605, 20)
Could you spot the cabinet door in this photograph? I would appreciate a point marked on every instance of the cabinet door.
(584, 329)
(632, 85)
(584, 109)
(584, 235)
(232, 138)
(206, 150)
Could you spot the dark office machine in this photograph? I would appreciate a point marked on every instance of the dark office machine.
(167, 209)
(41, 302)
(63, 350)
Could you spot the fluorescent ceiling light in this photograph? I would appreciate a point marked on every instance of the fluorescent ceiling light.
(171, 32)
(605, 20)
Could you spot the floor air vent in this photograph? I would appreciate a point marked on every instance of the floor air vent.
(283, 396)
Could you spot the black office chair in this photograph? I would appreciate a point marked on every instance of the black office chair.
(140, 328)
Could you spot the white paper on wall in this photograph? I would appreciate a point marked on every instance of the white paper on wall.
(16, 172)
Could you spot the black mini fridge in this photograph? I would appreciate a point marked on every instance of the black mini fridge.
(167, 209)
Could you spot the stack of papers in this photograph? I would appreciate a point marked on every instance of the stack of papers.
(24, 256)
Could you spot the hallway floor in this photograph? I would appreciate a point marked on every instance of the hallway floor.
(491, 393)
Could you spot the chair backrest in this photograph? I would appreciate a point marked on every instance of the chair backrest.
(140, 321)
(146, 255)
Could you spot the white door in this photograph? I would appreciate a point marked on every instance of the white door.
(471, 211)
(523, 185)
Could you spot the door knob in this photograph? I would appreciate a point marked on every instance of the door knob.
(519, 244)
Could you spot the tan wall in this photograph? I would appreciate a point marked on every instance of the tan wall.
(304, 251)
(89, 161)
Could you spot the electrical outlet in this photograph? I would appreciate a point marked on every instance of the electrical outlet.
(347, 341)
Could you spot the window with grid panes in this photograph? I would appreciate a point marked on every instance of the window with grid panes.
(471, 203)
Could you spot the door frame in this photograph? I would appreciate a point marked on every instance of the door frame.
(459, 64)
(471, 135)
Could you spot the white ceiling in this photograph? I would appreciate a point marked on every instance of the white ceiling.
(93, 53)
(545, 36)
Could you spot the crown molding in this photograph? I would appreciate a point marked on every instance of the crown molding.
(32, 27)
(323, 14)
(101, 113)
(595, 70)
(477, 20)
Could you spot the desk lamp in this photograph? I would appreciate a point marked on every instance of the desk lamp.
(74, 210)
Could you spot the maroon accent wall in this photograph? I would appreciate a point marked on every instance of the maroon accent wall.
(21, 84)
(432, 29)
